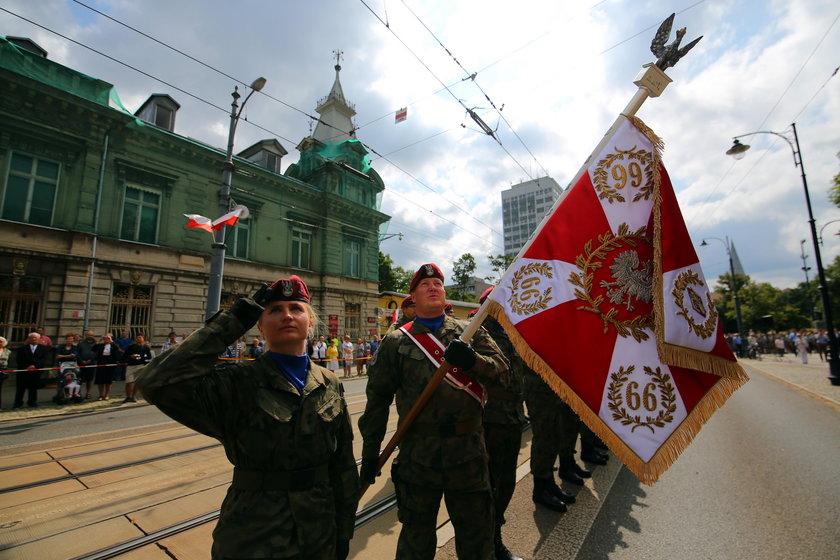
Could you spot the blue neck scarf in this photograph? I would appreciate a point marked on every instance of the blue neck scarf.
(434, 323)
(294, 368)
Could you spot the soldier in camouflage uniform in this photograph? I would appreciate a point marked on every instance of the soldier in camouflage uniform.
(407, 308)
(443, 453)
(282, 421)
(553, 434)
(504, 417)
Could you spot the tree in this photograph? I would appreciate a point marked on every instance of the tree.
(763, 306)
(499, 264)
(392, 278)
(462, 270)
(834, 191)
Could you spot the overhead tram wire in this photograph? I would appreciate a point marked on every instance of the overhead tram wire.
(796, 76)
(471, 76)
(213, 68)
(211, 104)
(455, 97)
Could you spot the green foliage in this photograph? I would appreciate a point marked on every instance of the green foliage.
(462, 270)
(834, 190)
(499, 264)
(392, 278)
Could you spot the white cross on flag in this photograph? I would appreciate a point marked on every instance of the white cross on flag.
(609, 305)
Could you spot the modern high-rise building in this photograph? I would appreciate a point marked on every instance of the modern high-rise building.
(523, 208)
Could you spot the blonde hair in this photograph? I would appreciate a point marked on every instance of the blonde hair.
(3, 339)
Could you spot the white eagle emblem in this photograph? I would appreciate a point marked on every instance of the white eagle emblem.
(630, 280)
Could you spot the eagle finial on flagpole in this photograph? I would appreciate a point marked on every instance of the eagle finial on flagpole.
(669, 55)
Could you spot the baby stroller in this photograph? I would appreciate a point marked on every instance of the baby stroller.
(68, 388)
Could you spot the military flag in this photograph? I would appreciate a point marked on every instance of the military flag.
(609, 305)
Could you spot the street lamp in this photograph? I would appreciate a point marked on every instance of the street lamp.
(390, 235)
(728, 246)
(217, 262)
(738, 151)
(805, 269)
(825, 225)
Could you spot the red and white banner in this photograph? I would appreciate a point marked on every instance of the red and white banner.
(609, 305)
(202, 222)
(401, 115)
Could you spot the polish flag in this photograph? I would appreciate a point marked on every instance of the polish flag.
(229, 219)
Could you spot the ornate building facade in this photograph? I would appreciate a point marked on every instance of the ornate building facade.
(92, 197)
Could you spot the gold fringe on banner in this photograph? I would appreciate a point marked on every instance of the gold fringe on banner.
(673, 354)
(647, 472)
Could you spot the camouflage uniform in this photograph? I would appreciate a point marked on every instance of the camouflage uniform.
(443, 453)
(295, 483)
(554, 425)
(397, 324)
(504, 416)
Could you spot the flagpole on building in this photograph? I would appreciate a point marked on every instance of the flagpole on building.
(651, 82)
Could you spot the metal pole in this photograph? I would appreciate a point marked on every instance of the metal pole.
(833, 357)
(217, 262)
(735, 292)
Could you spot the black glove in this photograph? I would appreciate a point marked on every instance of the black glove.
(460, 354)
(262, 295)
(342, 549)
(245, 310)
(370, 469)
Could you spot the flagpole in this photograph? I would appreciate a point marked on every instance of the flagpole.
(651, 82)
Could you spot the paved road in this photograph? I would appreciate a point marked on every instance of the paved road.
(761, 481)
(27, 431)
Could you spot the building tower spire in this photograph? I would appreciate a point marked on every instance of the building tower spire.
(336, 114)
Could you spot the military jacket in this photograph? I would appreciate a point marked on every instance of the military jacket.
(400, 370)
(504, 395)
(267, 428)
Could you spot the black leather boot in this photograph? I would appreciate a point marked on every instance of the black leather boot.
(592, 455)
(564, 497)
(502, 553)
(570, 471)
(544, 496)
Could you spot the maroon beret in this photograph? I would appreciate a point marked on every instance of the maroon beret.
(430, 270)
(473, 312)
(447, 306)
(485, 294)
(289, 289)
(407, 301)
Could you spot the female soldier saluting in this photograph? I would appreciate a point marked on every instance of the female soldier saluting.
(282, 421)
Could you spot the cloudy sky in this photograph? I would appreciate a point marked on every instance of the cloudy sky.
(562, 70)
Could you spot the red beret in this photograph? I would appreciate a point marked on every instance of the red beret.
(289, 289)
(485, 294)
(430, 270)
(473, 312)
(407, 301)
(447, 306)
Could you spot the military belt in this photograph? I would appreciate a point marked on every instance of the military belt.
(445, 430)
(303, 479)
(502, 395)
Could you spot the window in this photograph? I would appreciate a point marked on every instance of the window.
(163, 117)
(236, 238)
(352, 318)
(352, 257)
(20, 306)
(301, 248)
(30, 190)
(140, 215)
(131, 309)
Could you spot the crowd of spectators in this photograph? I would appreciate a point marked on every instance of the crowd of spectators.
(801, 343)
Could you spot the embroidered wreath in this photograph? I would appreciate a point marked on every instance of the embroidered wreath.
(611, 193)
(541, 303)
(592, 260)
(683, 281)
(615, 399)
